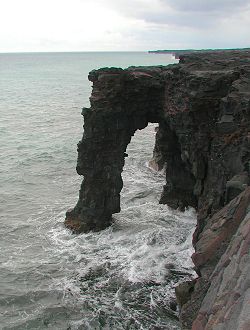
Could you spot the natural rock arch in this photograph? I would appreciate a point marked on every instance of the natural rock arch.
(121, 102)
(193, 107)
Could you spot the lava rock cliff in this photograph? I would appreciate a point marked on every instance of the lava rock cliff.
(202, 106)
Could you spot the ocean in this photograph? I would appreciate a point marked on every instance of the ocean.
(120, 278)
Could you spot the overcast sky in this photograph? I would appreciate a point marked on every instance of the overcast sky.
(115, 25)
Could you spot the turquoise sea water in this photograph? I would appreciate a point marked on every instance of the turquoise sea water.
(121, 278)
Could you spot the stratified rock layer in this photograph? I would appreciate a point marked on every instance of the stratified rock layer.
(224, 260)
(202, 106)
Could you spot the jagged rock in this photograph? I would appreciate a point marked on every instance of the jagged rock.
(202, 106)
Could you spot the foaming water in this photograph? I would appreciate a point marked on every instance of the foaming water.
(120, 278)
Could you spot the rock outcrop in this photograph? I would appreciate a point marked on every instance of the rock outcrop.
(202, 106)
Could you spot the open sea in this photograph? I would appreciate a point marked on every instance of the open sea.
(120, 278)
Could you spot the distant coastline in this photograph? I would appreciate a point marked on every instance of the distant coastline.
(178, 52)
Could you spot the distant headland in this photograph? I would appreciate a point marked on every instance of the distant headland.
(178, 52)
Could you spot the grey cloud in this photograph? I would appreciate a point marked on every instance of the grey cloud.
(207, 6)
(186, 13)
(185, 23)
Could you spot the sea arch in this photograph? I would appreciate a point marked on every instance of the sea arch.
(123, 101)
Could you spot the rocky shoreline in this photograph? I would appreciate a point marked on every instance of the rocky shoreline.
(202, 106)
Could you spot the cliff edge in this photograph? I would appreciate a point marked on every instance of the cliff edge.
(202, 106)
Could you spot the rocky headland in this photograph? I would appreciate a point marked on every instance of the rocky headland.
(202, 106)
(180, 52)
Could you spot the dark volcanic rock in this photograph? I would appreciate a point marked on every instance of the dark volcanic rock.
(202, 106)
(122, 101)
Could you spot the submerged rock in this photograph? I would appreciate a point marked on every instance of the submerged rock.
(202, 106)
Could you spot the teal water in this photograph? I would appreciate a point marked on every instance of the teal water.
(121, 278)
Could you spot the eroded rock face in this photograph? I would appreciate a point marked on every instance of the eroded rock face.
(202, 106)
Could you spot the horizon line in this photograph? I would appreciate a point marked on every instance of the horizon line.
(73, 51)
(121, 51)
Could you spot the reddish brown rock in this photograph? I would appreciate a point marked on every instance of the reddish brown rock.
(226, 305)
(218, 233)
